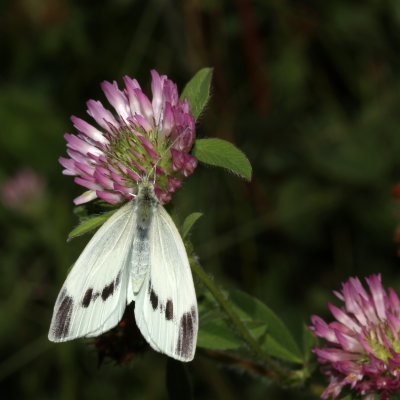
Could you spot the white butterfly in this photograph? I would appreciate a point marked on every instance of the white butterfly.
(137, 255)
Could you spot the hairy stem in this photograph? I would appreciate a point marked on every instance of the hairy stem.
(277, 372)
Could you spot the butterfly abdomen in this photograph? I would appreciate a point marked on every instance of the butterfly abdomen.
(146, 202)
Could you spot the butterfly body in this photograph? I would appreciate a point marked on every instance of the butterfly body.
(145, 206)
(137, 255)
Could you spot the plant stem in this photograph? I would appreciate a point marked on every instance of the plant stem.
(240, 363)
(278, 372)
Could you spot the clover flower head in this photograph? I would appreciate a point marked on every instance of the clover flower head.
(23, 192)
(362, 346)
(139, 139)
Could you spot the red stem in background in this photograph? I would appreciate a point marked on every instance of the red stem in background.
(253, 52)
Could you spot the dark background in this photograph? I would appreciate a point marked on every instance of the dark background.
(309, 90)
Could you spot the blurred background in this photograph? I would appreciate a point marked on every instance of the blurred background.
(309, 90)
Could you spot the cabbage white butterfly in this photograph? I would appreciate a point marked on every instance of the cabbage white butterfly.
(137, 255)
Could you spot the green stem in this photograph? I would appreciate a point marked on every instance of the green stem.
(278, 372)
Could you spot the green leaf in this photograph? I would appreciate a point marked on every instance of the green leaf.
(275, 349)
(217, 334)
(189, 222)
(221, 153)
(89, 225)
(197, 91)
(278, 342)
(309, 341)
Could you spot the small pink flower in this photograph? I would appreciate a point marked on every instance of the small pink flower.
(140, 138)
(24, 191)
(362, 347)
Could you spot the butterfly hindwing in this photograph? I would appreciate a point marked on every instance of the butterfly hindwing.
(166, 306)
(94, 295)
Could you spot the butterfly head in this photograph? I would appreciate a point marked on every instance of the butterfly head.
(146, 189)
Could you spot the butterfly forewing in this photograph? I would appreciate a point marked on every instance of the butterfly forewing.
(93, 297)
(166, 306)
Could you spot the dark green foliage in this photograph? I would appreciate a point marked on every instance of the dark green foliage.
(189, 222)
(178, 382)
(309, 91)
(197, 91)
(89, 224)
(223, 154)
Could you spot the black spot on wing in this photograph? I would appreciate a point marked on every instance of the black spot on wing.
(87, 297)
(153, 299)
(63, 316)
(169, 310)
(185, 345)
(107, 291)
(117, 280)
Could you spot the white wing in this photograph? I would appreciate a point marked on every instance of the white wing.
(94, 295)
(166, 306)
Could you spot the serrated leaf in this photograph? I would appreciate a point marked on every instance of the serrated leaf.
(221, 153)
(309, 341)
(197, 91)
(189, 222)
(278, 338)
(89, 225)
